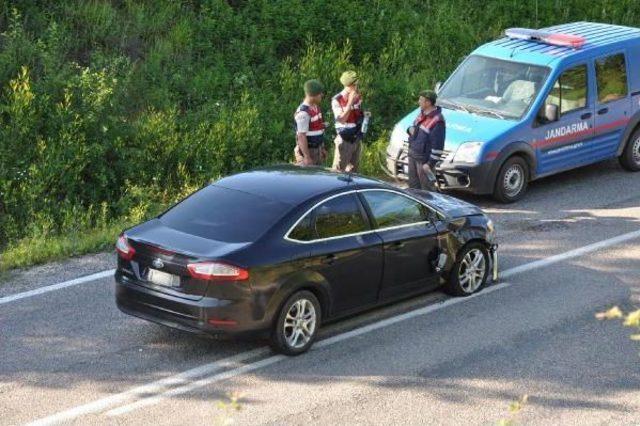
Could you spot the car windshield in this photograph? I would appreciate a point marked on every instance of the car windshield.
(494, 87)
(223, 214)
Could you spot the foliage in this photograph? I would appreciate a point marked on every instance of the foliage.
(630, 319)
(110, 110)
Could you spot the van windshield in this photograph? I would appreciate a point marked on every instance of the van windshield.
(490, 86)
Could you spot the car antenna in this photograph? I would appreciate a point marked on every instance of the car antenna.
(346, 176)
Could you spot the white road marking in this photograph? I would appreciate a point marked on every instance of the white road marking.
(151, 388)
(276, 358)
(569, 254)
(58, 286)
(159, 389)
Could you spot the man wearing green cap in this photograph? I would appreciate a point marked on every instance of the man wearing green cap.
(426, 142)
(347, 110)
(309, 150)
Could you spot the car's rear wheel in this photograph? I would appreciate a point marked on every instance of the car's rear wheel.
(630, 158)
(297, 325)
(470, 272)
(512, 180)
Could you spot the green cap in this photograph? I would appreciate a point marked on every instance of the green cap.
(429, 94)
(348, 78)
(313, 87)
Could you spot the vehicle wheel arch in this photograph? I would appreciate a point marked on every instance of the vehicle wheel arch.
(521, 149)
(632, 126)
(299, 281)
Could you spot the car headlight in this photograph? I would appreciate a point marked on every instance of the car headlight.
(467, 152)
(398, 138)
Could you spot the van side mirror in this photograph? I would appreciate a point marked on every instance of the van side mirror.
(437, 87)
(550, 113)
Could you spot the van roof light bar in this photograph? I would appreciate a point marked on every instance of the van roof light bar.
(554, 39)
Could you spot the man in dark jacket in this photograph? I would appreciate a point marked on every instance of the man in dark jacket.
(426, 142)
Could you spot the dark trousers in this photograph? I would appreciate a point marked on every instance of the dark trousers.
(421, 176)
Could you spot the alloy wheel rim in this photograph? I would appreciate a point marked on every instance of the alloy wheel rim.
(513, 180)
(635, 151)
(300, 323)
(472, 271)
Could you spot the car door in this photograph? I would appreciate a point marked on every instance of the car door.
(564, 142)
(343, 250)
(409, 240)
(613, 103)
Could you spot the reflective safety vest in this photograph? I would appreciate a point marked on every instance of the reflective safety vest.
(355, 115)
(315, 134)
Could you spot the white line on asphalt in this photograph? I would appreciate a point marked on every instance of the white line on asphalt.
(58, 286)
(159, 391)
(276, 358)
(156, 387)
(569, 254)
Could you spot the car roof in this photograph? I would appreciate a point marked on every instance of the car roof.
(597, 37)
(294, 185)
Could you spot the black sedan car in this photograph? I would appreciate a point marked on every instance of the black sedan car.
(283, 250)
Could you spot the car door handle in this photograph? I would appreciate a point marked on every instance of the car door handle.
(398, 245)
(603, 111)
(585, 116)
(329, 259)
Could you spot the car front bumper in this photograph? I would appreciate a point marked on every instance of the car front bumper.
(477, 179)
(207, 315)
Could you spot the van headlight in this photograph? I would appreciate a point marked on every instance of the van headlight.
(398, 138)
(468, 152)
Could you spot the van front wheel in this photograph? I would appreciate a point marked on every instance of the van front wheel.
(512, 181)
(630, 158)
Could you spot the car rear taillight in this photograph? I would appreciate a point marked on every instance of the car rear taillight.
(124, 249)
(216, 271)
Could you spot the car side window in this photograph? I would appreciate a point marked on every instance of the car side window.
(569, 92)
(611, 76)
(339, 216)
(304, 230)
(392, 209)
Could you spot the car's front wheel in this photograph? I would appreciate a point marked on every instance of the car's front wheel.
(470, 271)
(297, 324)
(630, 158)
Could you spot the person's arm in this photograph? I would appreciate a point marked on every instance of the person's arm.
(304, 147)
(437, 136)
(302, 127)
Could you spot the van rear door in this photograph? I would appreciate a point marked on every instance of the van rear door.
(613, 103)
(565, 142)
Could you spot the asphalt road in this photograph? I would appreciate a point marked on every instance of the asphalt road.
(70, 356)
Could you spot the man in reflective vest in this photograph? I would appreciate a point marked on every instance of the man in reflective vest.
(309, 150)
(347, 110)
(426, 142)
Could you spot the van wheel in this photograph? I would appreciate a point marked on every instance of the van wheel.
(630, 158)
(512, 181)
(297, 325)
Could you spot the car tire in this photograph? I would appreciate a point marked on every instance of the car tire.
(630, 158)
(512, 181)
(466, 267)
(300, 312)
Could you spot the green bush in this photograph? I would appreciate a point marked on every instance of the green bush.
(110, 110)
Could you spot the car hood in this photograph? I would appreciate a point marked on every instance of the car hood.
(464, 127)
(452, 207)
(155, 233)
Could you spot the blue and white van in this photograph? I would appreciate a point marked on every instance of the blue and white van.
(535, 103)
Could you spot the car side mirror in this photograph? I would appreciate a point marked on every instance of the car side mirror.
(437, 87)
(550, 113)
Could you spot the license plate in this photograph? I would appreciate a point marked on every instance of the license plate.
(162, 278)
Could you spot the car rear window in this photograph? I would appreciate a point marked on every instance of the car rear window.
(223, 214)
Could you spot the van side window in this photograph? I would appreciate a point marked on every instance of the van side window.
(611, 75)
(569, 92)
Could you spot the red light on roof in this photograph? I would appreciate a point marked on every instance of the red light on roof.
(555, 39)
